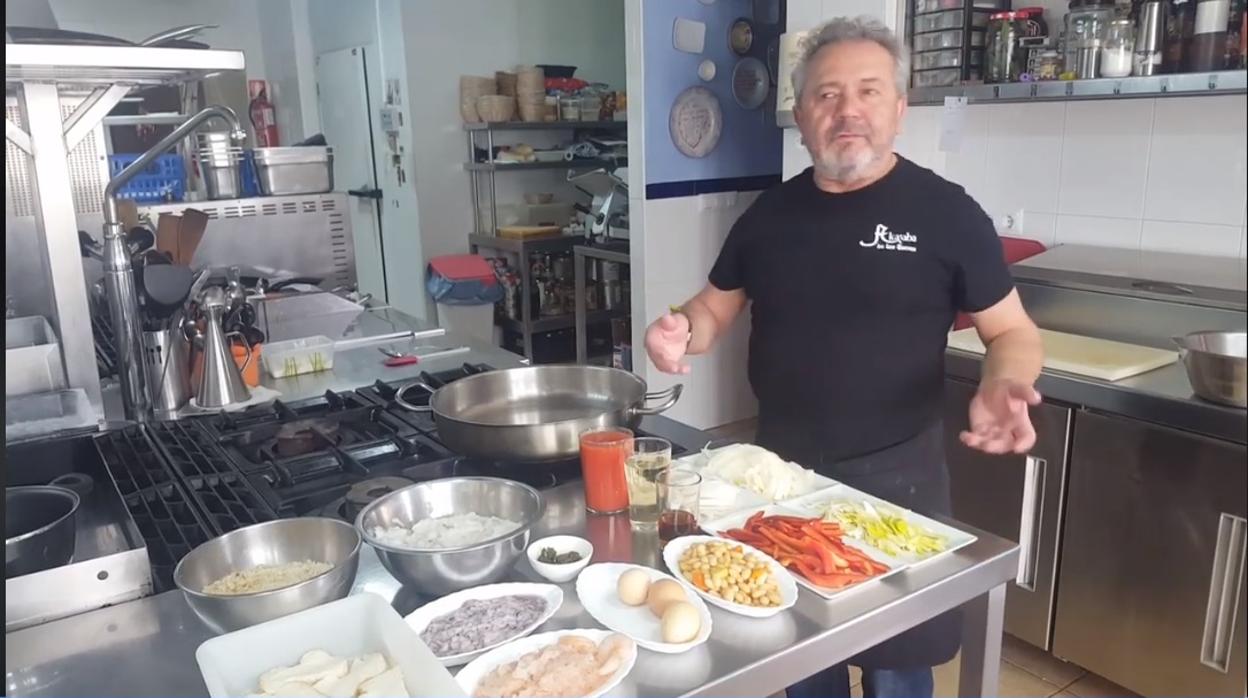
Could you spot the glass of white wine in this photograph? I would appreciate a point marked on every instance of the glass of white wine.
(650, 458)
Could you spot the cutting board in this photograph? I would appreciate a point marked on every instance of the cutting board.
(1084, 356)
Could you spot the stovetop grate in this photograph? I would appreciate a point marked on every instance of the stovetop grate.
(222, 493)
(159, 505)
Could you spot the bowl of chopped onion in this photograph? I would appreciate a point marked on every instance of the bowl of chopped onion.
(446, 535)
(269, 570)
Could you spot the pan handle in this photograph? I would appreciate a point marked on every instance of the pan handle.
(669, 398)
(398, 396)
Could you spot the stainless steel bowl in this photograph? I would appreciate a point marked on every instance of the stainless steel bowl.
(39, 528)
(270, 543)
(441, 571)
(1217, 365)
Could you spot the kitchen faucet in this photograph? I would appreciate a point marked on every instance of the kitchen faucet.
(123, 299)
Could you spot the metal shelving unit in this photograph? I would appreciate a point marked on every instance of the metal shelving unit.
(548, 126)
(578, 164)
(527, 325)
(1227, 82)
(43, 135)
(490, 167)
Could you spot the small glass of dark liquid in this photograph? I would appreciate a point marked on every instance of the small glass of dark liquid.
(679, 491)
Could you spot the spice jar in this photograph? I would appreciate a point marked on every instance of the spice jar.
(1117, 51)
(1046, 64)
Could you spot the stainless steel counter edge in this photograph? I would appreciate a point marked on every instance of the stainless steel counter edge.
(1152, 397)
(147, 647)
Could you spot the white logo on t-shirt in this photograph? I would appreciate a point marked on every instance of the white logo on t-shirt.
(885, 239)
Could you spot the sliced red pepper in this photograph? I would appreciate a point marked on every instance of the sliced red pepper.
(830, 581)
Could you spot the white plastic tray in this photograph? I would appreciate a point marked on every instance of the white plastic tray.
(814, 505)
(737, 519)
(232, 663)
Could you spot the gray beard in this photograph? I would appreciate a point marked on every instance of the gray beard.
(843, 169)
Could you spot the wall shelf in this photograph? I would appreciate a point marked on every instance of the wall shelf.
(553, 165)
(1227, 82)
(547, 126)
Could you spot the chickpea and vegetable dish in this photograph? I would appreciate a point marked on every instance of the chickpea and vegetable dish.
(730, 572)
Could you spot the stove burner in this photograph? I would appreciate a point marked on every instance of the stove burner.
(305, 436)
(366, 492)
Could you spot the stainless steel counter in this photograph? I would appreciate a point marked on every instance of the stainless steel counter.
(147, 647)
(1163, 397)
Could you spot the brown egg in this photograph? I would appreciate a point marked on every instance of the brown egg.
(681, 622)
(662, 593)
(633, 586)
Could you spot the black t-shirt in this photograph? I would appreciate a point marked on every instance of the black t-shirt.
(852, 296)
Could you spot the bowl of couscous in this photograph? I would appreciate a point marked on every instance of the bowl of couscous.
(269, 570)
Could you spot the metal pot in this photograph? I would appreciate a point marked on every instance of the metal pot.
(39, 528)
(539, 412)
(1217, 363)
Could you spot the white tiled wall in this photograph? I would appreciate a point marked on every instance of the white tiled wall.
(1165, 174)
(681, 242)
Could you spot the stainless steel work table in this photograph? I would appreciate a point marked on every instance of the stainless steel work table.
(147, 647)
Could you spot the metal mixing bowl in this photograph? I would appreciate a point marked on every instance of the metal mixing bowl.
(1217, 365)
(441, 571)
(270, 543)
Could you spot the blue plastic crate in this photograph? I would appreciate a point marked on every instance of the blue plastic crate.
(163, 180)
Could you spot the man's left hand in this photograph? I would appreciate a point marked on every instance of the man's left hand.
(998, 417)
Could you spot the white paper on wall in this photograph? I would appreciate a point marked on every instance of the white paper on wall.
(952, 124)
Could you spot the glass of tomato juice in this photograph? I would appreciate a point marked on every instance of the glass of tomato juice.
(603, 452)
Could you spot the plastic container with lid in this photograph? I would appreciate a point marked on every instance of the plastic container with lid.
(294, 357)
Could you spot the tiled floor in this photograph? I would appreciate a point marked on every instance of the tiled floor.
(1026, 671)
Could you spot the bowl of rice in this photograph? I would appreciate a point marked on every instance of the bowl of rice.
(269, 570)
(446, 535)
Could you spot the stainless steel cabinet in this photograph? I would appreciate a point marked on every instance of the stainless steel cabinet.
(1015, 497)
(1152, 576)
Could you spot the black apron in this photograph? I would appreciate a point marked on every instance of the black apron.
(911, 474)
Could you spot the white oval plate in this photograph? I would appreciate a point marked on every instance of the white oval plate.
(423, 616)
(784, 580)
(596, 588)
(469, 676)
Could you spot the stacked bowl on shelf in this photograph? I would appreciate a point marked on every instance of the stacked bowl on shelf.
(471, 89)
(531, 93)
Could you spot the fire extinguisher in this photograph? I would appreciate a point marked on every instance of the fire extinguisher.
(263, 117)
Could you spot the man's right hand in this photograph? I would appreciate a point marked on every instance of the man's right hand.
(666, 341)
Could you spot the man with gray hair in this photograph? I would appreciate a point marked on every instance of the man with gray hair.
(855, 270)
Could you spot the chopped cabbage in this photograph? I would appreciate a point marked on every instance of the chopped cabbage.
(756, 469)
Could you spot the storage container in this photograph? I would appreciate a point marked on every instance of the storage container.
(361, 624)
(942, 21)
(293, 357)
(937, 78)
(945, 40)
(941, 59)
(32, 357)
(294, 170)
(41, 414)
(162, 180)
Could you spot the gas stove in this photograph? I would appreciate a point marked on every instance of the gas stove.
(188, 481)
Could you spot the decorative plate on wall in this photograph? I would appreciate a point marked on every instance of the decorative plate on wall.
(750, 83)
(741, 37)
(696, 122)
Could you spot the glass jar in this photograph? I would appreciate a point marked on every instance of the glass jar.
(1002, 51)
(570, 108)
(1118, 49)
(1086, 24)
(1046, 64)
